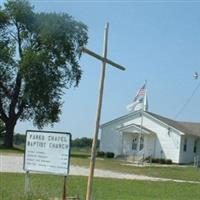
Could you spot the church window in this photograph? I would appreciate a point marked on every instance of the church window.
(141, 143)
(195, 146)
(169, 131)
(134, 144)
(185, 145)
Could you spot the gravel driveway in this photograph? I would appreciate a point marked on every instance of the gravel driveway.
(15, 164)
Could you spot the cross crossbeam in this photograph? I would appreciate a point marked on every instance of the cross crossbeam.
(91, 53)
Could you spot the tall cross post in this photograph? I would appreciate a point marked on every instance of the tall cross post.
(99, 106)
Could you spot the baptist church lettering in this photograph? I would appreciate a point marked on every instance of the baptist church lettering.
(36, 144)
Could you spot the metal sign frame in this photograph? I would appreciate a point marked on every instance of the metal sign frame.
(69, 152)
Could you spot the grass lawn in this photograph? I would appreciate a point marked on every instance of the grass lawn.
(80, 153)
(173, 172)
(46, 186)
(15, 150)
(81, 158)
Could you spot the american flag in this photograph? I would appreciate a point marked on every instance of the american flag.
(139, 101)
(140, 93)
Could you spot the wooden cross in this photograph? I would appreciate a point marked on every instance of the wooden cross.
(99, 105)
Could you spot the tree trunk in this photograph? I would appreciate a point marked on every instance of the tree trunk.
(8, 139)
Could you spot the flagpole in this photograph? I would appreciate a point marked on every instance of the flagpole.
(145, 98)
(141, 123)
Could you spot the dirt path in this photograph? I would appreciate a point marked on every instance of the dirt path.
(15, 164)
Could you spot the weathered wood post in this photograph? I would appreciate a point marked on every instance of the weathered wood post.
(99, 106)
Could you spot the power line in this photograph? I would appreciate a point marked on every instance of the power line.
(187, 101)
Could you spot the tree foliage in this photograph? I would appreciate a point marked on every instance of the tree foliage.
(39, 54)
(83, 142)
(2, 129)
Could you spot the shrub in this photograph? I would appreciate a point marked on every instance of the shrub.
(110, 155)
(100, 153)
(168, 161)
(147, 159)
(162, 161)
(155, 160)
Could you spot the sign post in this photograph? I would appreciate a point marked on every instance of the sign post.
(47, 152)
(65, 189)
(27, 183)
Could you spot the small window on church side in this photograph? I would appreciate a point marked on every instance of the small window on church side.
(141, 143)
(185, 145)
(134, 144)
(169, 131)
(195, 146)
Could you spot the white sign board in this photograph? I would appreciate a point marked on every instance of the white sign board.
(47, 152)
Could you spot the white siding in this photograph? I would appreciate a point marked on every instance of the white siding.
(162, 144)
(111, 140)
(167, 143)
(188, 155)
(149, 145)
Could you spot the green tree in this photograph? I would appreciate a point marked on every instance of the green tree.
(83, 142)
(2, 129)
(39, 54)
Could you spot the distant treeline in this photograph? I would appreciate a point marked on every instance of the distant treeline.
(19, 139)
(83, 142)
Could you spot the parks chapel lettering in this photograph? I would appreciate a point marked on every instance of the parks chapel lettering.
(57, 138)
(52, 142)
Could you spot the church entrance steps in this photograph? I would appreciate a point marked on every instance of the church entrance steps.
(137, 157)
(133, 159)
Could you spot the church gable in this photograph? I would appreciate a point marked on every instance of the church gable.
(123, 119)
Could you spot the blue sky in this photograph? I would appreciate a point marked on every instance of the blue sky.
(157, 41)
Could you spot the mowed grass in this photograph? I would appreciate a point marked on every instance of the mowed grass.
(46, 187)
(13, 151)
(81, 157)
(172, 172)
(80, 152)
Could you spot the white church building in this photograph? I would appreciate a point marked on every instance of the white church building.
(142, 134)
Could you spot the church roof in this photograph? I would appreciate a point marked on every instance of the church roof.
(138, 127)
(190, 128)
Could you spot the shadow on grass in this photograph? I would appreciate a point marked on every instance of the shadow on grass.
(15, 149)
(79, 155)
(80, 152)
